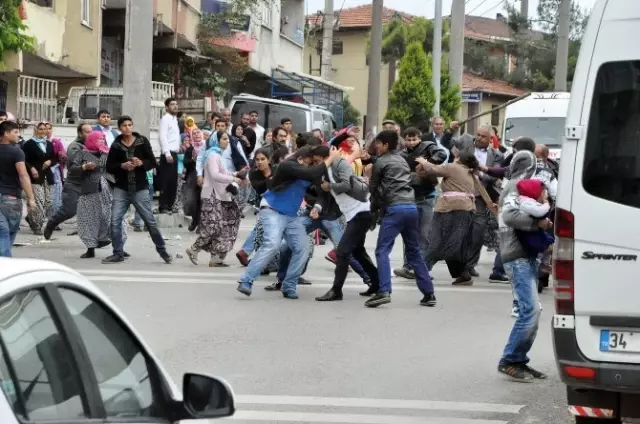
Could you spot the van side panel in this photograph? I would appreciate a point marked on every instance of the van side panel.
(603, 193)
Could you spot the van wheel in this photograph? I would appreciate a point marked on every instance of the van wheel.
(589, 420)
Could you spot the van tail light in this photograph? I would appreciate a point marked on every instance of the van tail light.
(580, 373)
(563, 281)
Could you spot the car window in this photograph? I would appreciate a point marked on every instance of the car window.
(38, 373)
(120, 365)
(611, 168)
(270, 115)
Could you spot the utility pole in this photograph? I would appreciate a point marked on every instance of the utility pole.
(437, 55)
(327, 40)
(524, 8)
(138, 50)
(375, 63)
(562, 53)
(456, 44)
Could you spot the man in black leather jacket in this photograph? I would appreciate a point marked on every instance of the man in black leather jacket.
(424, 187)
(392, 194)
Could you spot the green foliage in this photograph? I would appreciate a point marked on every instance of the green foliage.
(412, 97)
(350, 114)
(12, 36)
(400, 32)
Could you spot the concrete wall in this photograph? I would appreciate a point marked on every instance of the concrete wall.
(289, 56)
(350, 68)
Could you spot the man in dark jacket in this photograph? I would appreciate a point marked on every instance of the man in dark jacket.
(72, 184)
(443, 138)
(279, 215)
(424, 187)
(392, 194)
(130, 157)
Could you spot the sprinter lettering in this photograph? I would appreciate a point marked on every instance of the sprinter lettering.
(609, 256)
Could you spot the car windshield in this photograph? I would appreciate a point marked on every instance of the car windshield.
(548, 131)
(270, 115)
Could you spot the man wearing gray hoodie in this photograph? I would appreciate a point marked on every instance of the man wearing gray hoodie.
(523, 270)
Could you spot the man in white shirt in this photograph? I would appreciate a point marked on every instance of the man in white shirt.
(170, 142)
(104, 125)
(226, 117)
(259, 130)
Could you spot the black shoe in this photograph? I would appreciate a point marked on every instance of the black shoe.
(58, 228)
(463, 280)
(304, 282)
(499, 279)
(290, 295)
(516, 372)
(274, 286)
(48, 232)
(367, 282)
(90, 253)
(473, 272)
(126, 255)
(193, 226)
(113, 259)
(535, 373)
(428, 300)
(405, 273)
(378, 299)
(103, 243)
(265, 272)
(138, 229)
(370, 292)
(166, 257)
(330, 296)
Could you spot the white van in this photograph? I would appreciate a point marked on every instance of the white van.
(305, 118)
(540, 116)
(596, 326)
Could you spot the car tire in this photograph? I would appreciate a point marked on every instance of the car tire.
(589, 420)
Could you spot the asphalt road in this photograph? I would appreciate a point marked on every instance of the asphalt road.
(307, 362)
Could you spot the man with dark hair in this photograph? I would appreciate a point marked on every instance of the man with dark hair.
(279, 214)
(392, 197)
(279, 142)
(257, 128)
(424, 187)
(130, 157)
(72, 184)
(245, 119)
(14, 178)
(211, 121)
(104, 125)
(170, 141)
(3, 116)
(443, 138)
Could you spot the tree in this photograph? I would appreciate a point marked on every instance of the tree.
(412, 96)
(350, 115)
(12, 30)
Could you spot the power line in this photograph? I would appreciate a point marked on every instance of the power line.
(490, 9)
(477, 7)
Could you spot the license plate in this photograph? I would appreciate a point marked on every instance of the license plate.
(619, 341)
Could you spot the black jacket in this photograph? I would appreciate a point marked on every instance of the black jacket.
(446, 141)
(119, 154)
(34, 157)
(74, 170)
(390, 182)
(424, 187)
(289, 171)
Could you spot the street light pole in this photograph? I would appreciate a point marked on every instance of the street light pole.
(437, 55)
(375, 61)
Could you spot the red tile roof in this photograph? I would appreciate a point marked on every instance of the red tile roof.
(481, 28)
(358, 17)
(472, 82)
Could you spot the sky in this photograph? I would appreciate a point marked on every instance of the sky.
(487, 8)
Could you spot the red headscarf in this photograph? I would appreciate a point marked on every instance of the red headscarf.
(95, 143)
(530, 188)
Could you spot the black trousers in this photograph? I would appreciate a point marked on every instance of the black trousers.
(352, 243)
(68, 209)
(168, 173)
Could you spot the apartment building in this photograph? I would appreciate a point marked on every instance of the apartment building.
(351, 67)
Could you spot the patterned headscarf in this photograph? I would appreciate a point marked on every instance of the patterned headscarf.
(523, 166)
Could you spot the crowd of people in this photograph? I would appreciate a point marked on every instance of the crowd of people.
(445, 195)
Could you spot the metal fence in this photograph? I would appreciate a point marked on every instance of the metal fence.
(37, 99)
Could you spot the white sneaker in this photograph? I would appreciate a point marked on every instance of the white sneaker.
(540, 305)
(514, 312)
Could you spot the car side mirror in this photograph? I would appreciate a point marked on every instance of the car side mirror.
(207, 397)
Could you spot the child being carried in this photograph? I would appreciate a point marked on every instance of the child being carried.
(533, 201)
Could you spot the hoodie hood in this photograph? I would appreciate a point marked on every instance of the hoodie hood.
(523, 166)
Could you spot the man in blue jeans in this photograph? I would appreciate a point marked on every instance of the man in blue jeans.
(392, 194)
(523, 270)
(279, 215)
(130, 157)
(13, 179)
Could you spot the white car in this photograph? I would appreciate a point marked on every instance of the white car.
(67, 355)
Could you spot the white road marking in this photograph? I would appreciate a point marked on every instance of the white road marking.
(379, 403)
(314, 417)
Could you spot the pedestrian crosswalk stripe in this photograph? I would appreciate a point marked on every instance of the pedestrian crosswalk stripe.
(379, 403)
(315, 417)
(215, 278)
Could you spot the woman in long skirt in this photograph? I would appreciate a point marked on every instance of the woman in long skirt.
(94, 203)
(220, 215)
(192, 203)
(453, 216)
(40, 159)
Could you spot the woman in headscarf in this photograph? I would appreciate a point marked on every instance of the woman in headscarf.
(192, 202)
(94, 203)
(450, 232)
(58, 170)
(220, 215)
(40, 159)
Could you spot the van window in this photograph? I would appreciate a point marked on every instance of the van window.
(611, 165)
(270, 114)
(548, 131)
(90, 104)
